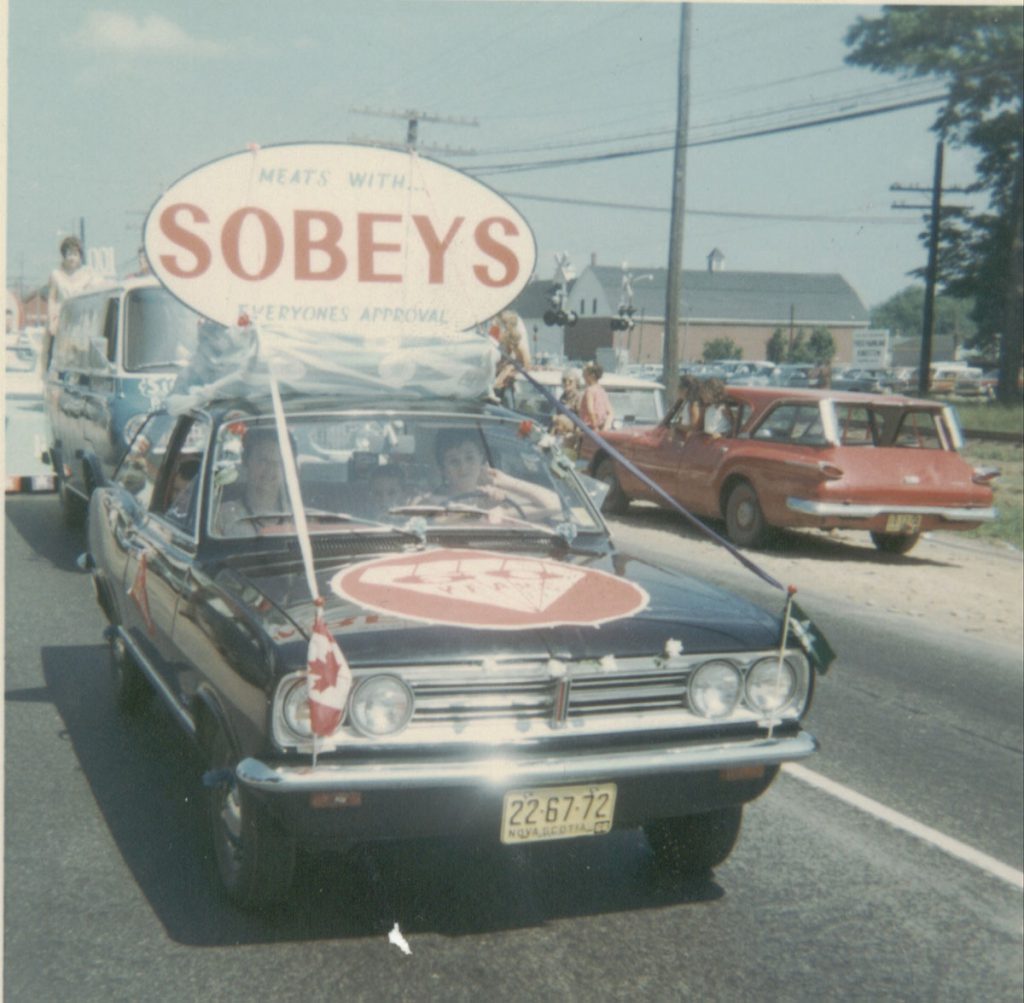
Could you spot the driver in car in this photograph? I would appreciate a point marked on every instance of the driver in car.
(469, 479)
(262, 488)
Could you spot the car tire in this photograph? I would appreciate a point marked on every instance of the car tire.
(255, 857)
(744, 520)
(131, 691)
(694, 844)
(616, 502)
(895, 543)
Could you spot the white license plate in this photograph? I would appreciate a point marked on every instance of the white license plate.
(903, 523)
(535, 814)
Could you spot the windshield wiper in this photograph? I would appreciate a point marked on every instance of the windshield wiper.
(315, 513)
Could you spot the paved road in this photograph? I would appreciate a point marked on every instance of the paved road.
(109, 891)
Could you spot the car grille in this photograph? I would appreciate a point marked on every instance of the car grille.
(587, 695)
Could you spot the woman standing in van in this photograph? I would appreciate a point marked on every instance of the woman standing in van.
(70, 278)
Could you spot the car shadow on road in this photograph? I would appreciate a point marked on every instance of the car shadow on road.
(145, 776)
(807, 544)
(37, 520)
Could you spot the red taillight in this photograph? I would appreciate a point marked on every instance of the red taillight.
(985, 475)
(830, 470)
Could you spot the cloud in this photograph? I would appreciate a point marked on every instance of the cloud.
(115, 32)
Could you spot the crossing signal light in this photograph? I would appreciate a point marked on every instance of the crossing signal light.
(560, 318)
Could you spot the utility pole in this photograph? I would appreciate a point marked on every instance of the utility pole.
(673, 292)
(924, 372)
(412, 119)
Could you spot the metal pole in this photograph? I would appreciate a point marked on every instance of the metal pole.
(673, 291)
(924, 373)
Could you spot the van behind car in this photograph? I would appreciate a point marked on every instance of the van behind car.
(114, 358)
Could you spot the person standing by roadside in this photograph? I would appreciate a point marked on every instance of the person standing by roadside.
(513, 342)
(688, 396)
(71, 277)
(571, 397)
(572, 392)
(595, 408)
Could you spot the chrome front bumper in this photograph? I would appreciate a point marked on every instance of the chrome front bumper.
(839, 510)
(503, 772)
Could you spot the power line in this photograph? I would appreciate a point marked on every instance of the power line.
(651, 133)
(780, 217)
(754, 134)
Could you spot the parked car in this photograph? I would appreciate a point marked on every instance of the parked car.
(633, 400)
(114, 358)
(820, 458)
(943, 377)
(751, 374)
(24, 423)
(791, 374)
(971, 382)
(515, 676)
(866, 381)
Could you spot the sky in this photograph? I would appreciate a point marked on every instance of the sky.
(111, 101)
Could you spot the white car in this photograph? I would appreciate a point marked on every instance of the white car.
(634, 401)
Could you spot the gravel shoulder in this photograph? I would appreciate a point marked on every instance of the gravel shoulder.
(972, 586)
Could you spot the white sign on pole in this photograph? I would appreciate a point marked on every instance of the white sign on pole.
(329, 235)
(871, 347)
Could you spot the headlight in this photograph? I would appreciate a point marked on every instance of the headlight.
(380, 705)
(772, 686)
(295, 708)
(715, 689)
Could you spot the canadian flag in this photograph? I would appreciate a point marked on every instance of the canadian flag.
(330, 679)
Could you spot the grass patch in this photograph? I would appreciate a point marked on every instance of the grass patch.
(1009, 488)
(988, 416)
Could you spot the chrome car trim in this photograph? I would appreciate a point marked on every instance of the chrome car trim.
(844, 511)
(504, 771)
(488, 704)
(155, 679)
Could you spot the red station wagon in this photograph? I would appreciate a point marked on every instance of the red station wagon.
(819, 458)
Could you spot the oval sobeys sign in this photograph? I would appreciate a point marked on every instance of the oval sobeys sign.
(330, 235)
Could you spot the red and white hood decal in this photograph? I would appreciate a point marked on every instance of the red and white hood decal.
(488, 591)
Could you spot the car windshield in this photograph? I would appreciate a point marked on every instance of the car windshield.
(160, 332)
(416, 471)
(638, 405)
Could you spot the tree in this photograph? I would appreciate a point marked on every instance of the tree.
(901, 315)
(722, 348)
(821, 346)
(775, 351)
(978, 53)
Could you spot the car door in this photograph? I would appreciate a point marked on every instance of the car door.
(163, 549)
(132, 544)
(700, 459)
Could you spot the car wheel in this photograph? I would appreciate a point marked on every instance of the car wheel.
(895, 543)
(72, 507)
(616, 502)
(694, 844)
(131, 691)
(744, 520)
(255, 858)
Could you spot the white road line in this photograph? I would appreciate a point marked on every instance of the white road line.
(945, 843)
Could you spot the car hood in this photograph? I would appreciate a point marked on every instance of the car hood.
(677, 607)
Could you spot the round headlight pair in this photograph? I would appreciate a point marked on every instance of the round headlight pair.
(378, 706)
(717, 687)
